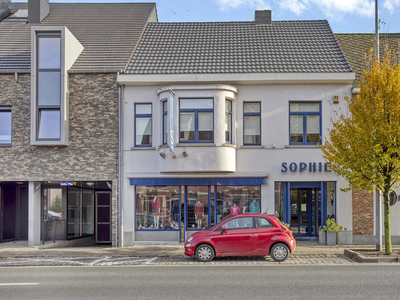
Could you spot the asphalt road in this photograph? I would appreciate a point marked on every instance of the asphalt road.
(202, 282)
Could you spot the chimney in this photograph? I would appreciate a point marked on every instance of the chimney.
(262, 17)
(38, 10)
(4, 8)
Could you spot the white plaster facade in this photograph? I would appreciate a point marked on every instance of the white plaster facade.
(219, 159)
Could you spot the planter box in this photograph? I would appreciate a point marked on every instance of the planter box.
(331, 238)
(345, 238)
(322, 237)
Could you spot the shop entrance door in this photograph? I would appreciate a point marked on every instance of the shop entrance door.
(304, 203)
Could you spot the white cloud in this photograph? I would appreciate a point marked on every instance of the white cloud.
(225, 5)
(390, 5)
(331, 8)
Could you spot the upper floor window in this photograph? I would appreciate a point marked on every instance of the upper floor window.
(305, 123)
(5, 126)
(143, 125)
(252, 123)
(228, 121)
(49, 86)
(165, 122)
(196, 120)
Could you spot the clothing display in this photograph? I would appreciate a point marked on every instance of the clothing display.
(234, 210)
(254, 207)
(244, 209)
(156, 203)
(199, 210)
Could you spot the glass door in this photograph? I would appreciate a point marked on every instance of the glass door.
(304, 204)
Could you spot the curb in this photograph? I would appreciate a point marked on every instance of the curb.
(363, 259)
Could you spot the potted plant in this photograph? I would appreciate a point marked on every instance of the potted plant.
(331, 228)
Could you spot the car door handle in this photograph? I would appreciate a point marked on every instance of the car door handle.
(253, 235)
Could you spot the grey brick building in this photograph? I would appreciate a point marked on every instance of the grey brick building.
(59, 117)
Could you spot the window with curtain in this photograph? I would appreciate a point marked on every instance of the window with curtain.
(196, 120)
(143, 125)
(252, 123)
(305, 123)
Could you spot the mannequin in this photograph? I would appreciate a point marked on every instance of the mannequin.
(198, 213)
(234, 209)
(254, 206)
(156, 205)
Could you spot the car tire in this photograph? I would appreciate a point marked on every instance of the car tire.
(204, 253)
(280, 252)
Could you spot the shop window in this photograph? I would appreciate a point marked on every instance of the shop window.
(228, 121)
(157, 208)
(196, 120)
(197, 207)
(165, 122)
(143, 125)
(252, 123)
(48, 85)
(305, 123)
(5, 126)
(246, 199)
(80, 212)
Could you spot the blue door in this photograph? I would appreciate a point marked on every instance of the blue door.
(305, 206)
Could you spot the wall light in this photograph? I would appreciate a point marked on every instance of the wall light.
(162, 154)
(185, 154)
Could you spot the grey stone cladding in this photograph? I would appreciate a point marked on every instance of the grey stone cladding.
(92, 154)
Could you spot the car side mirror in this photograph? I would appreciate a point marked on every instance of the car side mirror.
(223, 230)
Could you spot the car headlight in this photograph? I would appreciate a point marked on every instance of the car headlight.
(190, 238)
(188, 245)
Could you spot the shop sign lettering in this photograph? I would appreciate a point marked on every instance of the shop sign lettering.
(302, 167)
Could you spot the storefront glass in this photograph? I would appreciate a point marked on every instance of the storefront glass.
(156, 207)
(197, 207)
(243, 199)
(80, 212)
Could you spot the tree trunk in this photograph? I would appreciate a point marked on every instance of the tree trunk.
(386, 212)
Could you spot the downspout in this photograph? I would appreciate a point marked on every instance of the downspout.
(120, 162)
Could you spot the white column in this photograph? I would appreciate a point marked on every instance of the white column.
(34, 215)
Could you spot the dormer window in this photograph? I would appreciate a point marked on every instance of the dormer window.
(54, 50)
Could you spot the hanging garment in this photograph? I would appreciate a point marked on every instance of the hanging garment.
(234, 210)
(254, 207)
(199, 210)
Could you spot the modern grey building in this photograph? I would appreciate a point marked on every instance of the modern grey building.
(59, 112)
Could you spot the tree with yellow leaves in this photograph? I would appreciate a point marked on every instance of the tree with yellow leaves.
(364, 144)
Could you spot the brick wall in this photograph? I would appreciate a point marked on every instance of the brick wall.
(92, 154)
(363, 213)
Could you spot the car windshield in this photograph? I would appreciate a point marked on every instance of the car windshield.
(216, 225)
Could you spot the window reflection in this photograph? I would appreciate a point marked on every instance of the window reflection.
(157, 207)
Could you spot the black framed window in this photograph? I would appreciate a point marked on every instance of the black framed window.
(143, 112)
(5, 126)
(48, 86)
(305, 123)
(252, 123)
(196, 120)
(228, 121)
(165, 122)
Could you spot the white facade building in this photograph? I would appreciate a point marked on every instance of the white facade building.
(218, 115)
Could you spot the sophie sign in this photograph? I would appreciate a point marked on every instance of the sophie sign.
(304, 167)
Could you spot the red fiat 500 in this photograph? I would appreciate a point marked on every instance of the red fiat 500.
(243, 234)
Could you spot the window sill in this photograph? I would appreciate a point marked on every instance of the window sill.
(301, 146)
(229, 145)
(143, 148)
(253, 147)
(5, 145)
(163, 146)
(196, 145)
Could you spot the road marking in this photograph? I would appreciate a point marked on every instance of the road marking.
(6, 284)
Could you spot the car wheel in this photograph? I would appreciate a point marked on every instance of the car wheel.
(279, 252)
(204, 253)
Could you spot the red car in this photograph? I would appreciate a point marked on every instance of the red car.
(243, 234)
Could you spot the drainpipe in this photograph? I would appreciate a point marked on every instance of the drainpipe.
(120, 161)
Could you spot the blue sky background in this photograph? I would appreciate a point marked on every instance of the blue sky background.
(353, 16)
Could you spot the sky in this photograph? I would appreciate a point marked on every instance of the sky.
(344, 16)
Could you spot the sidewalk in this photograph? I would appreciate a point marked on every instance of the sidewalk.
(307, 252)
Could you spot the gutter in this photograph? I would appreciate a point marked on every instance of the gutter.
(120, 162)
